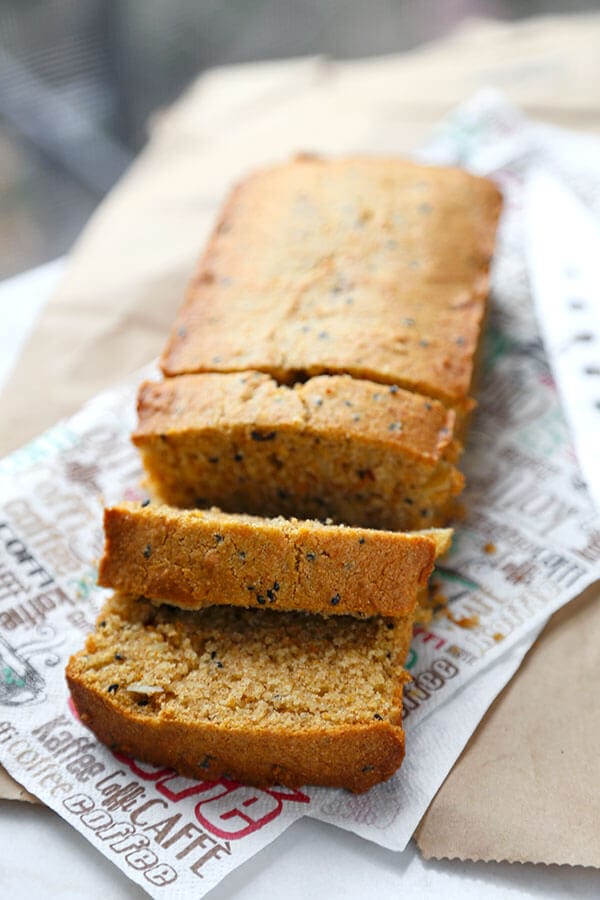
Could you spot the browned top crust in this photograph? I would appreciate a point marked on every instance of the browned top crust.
(199, 558)
(378, 268)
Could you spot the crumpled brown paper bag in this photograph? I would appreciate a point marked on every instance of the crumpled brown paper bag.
(125, 280)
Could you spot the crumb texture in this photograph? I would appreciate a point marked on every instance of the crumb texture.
(232, 683)
(331, 447)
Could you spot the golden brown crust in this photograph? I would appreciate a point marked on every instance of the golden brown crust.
(363, 454)
(198, 558)
(378, 268)
(355, 757)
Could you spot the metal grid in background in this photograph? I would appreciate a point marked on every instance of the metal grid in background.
(79, 78)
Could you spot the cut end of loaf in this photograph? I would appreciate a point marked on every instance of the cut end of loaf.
(331, 447)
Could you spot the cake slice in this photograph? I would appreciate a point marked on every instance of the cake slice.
(198, 558)
(374, 267)
(252, 695)
(334, 446)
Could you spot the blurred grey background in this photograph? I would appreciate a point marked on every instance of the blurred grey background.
(80, 78)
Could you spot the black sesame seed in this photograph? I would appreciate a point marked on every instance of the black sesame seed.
(102, 624)
(424, 512)
(361, 540)
(147, 551)
(205, 763)
(271, 596)
(318, 401)
(118, 657)
(213, 459)
(395, 426)
(377, 396)
(145, 503)
(251, 587)
(213, 654)
(408, 501)
(219, 664)
(335, 600)
(311, 556)
(142, 702)
(218, 538)
(460, 341)
(260, 599)
(408, 321)
(113, 688)
(394, 389)
(378, 717)
(356, 418)
(368, 769)
(348, 403)
(428, 405)
(276, 585)
(163, 438)
(263, 436)
(389, 625)
(241, 554)
(423, 342)
(238, 457)
(283, 495)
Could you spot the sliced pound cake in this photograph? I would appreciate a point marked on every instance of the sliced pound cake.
(198, 558)
(258, 696)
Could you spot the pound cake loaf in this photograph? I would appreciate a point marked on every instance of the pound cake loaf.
(199, 558)
(257, 696)
(334, 446)
(373, 267)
